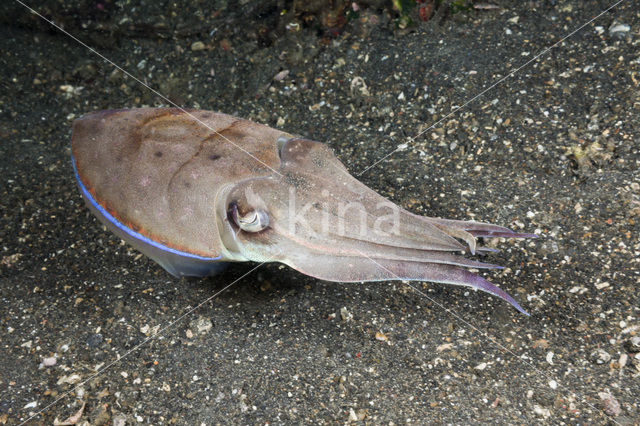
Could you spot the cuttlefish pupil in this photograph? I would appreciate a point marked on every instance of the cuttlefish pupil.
(240, 207)
(253, 221)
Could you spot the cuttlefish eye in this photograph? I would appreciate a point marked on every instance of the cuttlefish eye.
(253, 221)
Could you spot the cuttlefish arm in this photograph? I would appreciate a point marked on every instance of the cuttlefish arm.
(194, 189)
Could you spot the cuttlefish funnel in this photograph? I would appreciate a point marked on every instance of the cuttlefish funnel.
(195, 189)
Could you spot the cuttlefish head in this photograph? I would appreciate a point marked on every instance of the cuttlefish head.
(312, 215)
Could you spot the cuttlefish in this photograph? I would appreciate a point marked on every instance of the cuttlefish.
(196, 189)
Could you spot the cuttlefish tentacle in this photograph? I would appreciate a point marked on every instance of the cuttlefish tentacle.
(166, 182)
(363, 269)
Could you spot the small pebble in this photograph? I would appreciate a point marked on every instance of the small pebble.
(49, 361)
(633, 344)
(356, 416)
(635, 361)
(70, 379)
(619, 29)
(197, 46)
(352, 415)
(610, 405)
(119, 420)
(381, 337)
(600, 356)
(542, 412)
(444, 347)
(202, 325)
(281, 75)
(550, 357)
(345, 315)
(622, 361)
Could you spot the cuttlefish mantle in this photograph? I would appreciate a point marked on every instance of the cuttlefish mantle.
(196, 189)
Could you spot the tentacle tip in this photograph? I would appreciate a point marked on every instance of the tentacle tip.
(480, 283)
(521, 310)
(515, 304)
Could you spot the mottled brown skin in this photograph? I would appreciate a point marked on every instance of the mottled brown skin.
(131, 163)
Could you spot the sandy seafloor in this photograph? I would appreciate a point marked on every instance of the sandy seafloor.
(554, 150)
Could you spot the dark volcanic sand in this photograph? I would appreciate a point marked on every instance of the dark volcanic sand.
(552, 150)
